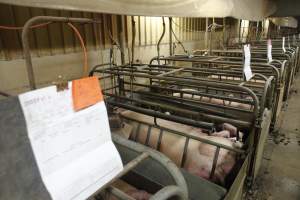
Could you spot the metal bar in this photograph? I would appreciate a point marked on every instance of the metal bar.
(195, 105)
(159, 139)
(212, 172)
(148, 135)
(185, 149)
(137, 132)
(158, 114)
(171, 72)
(4, 94)
(197, 115)
(170, 37)
(228, 98)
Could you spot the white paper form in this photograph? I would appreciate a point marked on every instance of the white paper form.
(269, 50)
(73, 150)
(247, 60)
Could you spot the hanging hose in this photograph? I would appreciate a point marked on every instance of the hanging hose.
(85, 66)
(160, 39)
(113, 41)
(176, 38)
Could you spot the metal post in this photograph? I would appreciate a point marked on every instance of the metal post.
(121, 37)
(240, 24)
(170, 37)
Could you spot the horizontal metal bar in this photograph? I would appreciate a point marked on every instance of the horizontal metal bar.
(171, 72)
(205, 125)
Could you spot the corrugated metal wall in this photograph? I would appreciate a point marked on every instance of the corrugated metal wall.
(58, 38)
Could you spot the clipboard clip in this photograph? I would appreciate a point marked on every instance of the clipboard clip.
(61, 84)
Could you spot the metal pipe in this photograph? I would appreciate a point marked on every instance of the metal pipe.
(25, 39)
(170, 37)
(4, 94)
(133, 39)
(101, 66)
(121, 37)
(158, 114)
(198, 115)
(194, 104)
(160, 39)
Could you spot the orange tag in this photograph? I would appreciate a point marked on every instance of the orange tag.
(86, 92)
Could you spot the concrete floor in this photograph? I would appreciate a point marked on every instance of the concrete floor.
(280, 172)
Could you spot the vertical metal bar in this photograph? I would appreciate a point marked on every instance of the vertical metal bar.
(133, 38)
(121, 37)
(170, 37)
(34, 35)
(159, 139)
(145, 30)
(139, 29)
(184, 155)
(137, 132)
(96, 33)
(148, 135)
(151, 31)
(14, 21)
(224, 31)
(240, 24)
(213, 169)
(62, 34)
(49, 36)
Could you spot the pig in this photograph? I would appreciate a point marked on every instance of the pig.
(200, 155)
